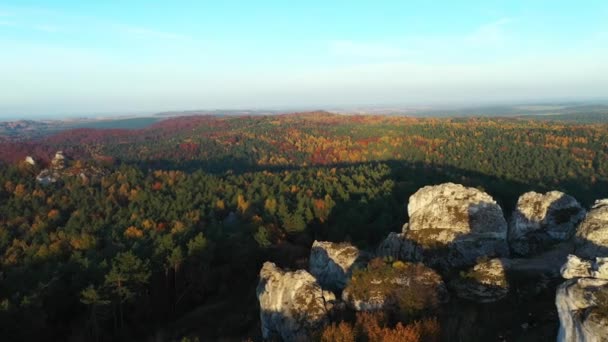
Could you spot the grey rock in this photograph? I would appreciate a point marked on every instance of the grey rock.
(292, 304)
(579, 306)
(541, 220)
(452, 226)
(332, 263)
(592, 234)
(576, 267)
(486, 282)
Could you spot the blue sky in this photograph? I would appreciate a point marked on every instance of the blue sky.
(84, 57)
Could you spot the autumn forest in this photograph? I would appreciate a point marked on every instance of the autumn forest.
(162, 230)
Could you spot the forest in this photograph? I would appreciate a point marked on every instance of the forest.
(168, 241)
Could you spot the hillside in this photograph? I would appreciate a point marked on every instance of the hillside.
(162, 231)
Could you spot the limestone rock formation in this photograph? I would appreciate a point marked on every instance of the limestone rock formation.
(292, 304)
(486, 282)
(58, 162)
(452, 225)
(582, 306)
(398, 247)
(399, 286)
(592, 234)
(53, 173)
(29, 160)
(332, 263)
(540, 220)
(576, 267)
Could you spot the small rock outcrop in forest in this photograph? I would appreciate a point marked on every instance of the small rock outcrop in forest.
(53, 173)
(486, 282)
(592, 234)
(450, 226)
(292, 304)
(399, 286)
(332, 263)
(29, 160)
(540, 220)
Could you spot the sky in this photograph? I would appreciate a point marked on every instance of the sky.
(116, 56)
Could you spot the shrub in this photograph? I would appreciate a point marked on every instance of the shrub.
(373, 327)
(342, 332)
(409, 288)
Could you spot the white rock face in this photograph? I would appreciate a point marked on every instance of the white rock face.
(332, 263)
(592, 234)
(30, 160)
(292, 304)
(540, 220)
(577, 306)
(452, 225)
(486, 282)
(576, 267)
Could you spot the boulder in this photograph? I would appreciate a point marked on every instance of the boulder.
(582, 306)
(591, 236)
(292, 304)
(452, 226)
(486, 282)
(541, 220)
(332, 263)
(402, 286)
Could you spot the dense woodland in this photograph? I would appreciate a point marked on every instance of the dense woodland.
(170, 240)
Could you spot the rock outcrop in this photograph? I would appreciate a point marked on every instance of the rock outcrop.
(292, 304)
(29, 160)
(576, 267)
(332, 263)
(59, 168)
(452, 226)
(397, 247)
(54, 172)
(592, 234)
(541, 220)
(582, 306)
(582, 301)
(486, 282)
(398, 286)
(58, 161)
